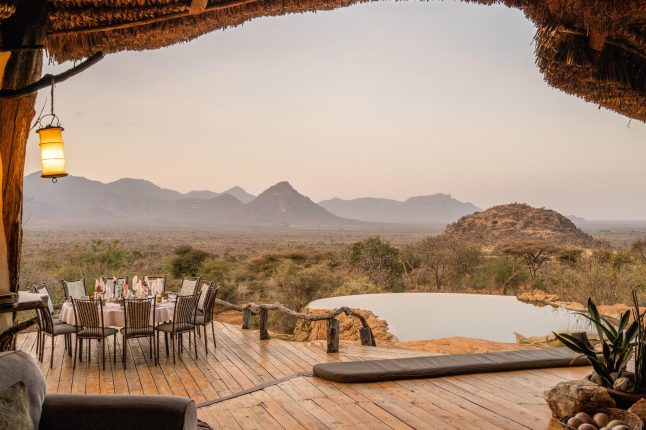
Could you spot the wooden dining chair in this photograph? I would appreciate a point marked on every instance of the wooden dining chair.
(204, 291)
(183, 322)
(75, 289)
(189, 285)
(89, 325)
(206, 316)
(47, 327)
(43, 290)
(137, 314)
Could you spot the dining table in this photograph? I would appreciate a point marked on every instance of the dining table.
(114, 313)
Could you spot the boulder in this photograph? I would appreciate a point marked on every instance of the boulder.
(537, 296)
(317, 330)
(639, 409)
(571, 397)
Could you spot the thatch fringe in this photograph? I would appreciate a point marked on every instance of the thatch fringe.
(612, 78)
(7, 8)
(595, 49)
(71, 46)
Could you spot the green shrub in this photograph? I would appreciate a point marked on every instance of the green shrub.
(376, 259)
(187, 261)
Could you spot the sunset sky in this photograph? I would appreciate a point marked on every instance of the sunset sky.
(382, 99)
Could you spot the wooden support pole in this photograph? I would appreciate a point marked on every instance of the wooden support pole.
(366, 336)
(246, 318)
(26, 27)
(264, 323)
(333, 335)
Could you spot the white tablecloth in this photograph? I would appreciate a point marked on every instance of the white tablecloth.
(114, 314)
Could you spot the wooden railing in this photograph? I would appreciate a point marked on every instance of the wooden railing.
(333, 330)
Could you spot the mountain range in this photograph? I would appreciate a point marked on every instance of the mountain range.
(76, 200)
(433, 209)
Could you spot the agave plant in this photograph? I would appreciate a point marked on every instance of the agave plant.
(617, 343)
(640, 346)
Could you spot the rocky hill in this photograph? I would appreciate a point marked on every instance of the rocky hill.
(517, 222)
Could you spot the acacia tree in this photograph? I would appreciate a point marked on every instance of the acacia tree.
(377, 259)
(533, 252)
(443, 257)
(639, 247)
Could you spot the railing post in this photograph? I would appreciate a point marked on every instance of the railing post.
(246, 318)
(366, 336)
(264, 316)
(333, 335)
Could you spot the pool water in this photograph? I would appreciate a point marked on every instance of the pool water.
(420, 316)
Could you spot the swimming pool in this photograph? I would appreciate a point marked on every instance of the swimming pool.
(419, 316)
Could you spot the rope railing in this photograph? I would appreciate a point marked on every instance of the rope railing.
(333, 328)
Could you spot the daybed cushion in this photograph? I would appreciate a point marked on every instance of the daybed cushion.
(446, 365)
(17, 366)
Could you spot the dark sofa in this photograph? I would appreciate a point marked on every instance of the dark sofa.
(96, 412)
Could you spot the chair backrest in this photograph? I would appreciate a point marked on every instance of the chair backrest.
(209, 304)
(88, 313)
(138, 313)
(189, 285)
(74, 289)
(45, 320)
(156, 284)
(204, 292)
(185, 310)
(44, 290)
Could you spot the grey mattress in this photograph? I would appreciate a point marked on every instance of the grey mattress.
(447, 365)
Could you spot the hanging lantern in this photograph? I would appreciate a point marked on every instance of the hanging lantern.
(52, 155)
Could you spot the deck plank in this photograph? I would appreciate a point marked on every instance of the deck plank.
(507, 400)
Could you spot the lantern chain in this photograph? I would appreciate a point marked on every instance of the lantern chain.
(41, 117)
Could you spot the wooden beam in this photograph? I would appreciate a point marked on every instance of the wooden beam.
(597, 40)
(607, 41)
(49, 79)
(134, 24)
(197, 6)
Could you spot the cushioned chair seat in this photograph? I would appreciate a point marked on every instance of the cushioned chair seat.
(64, 329)
(139, 331)
(168, 327)
(57, 320)
(447, 365)
(97, 332)
(199, 320)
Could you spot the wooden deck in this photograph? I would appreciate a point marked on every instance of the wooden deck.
(510, 400)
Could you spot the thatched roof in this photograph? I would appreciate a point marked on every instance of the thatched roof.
(595, 49)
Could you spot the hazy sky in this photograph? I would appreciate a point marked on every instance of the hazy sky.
(381, 99)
